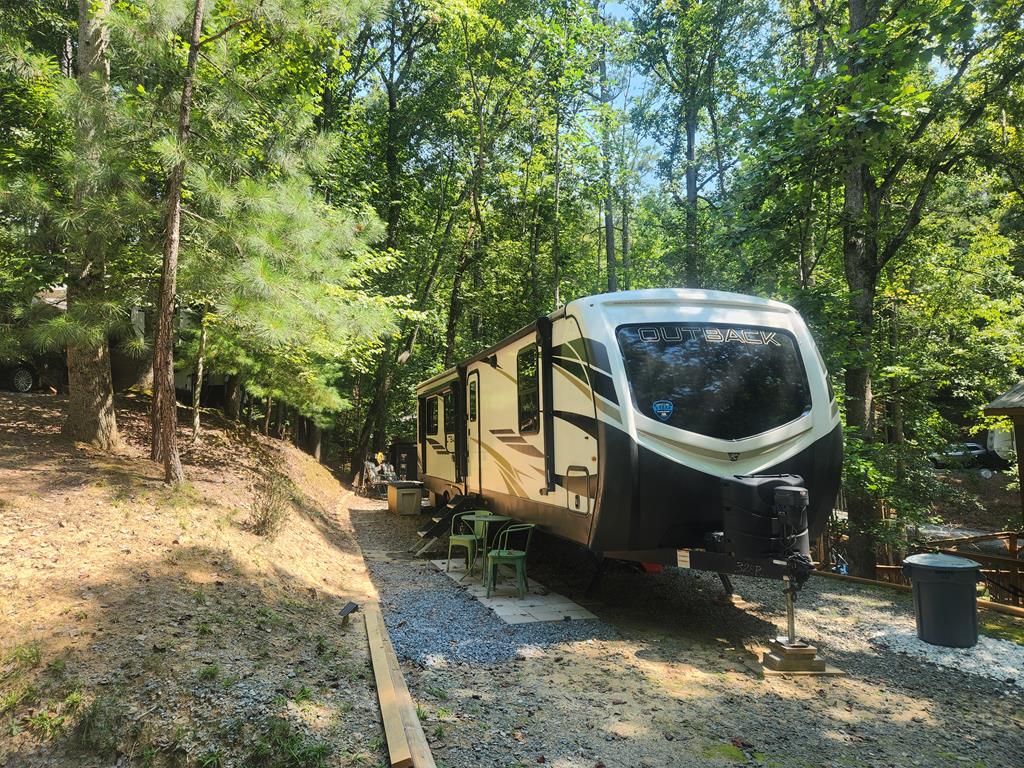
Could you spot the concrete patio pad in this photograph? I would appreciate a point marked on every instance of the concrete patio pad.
(540, 604)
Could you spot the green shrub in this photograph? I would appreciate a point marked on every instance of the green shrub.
(271, 504)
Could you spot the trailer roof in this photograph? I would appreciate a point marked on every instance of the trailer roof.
(683, 295)
(642, 296)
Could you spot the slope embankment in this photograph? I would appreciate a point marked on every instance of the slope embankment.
(142, 624)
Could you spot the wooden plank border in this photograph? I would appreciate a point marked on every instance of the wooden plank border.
(1010, 610)
(407, 746)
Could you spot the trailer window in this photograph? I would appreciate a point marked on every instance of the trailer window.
(717, 380)
(472, 401)
(529, 390)
(432, 416)
(449, 414)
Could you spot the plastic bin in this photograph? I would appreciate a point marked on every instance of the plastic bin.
(404, 497)
(945, 598)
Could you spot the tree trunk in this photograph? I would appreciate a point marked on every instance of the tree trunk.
(556, 245)
(266, 415)
(197, 387)
(627, 265)
(279, 420)
(316, 438)
(165, 412)
(91, 417)
(454, 312)
(693, 279)
(391, 166)
(534, 248)
(233, 397)
(606, 170)
(390, 360)
(860, 251)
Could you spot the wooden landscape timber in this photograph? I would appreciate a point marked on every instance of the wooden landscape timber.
(990, 605)
(407, 746)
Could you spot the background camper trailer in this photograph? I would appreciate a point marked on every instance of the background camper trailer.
(641, 423)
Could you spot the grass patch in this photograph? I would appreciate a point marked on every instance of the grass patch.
(270, 506)
(438, 693)
(725, 752)
(1003, 629)
(212, 759)
(209, 673)
(100, 726)
(26, 656)
(281, 745)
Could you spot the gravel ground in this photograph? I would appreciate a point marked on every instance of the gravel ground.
(1000, 660)
(668, 676)
(428, 616)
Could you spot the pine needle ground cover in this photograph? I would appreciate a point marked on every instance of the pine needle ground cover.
(141, 621)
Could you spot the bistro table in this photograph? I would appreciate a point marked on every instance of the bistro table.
(486, 518)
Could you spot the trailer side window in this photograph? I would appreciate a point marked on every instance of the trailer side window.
(449, 413)
(529, 390)
(432, 416)
(472, 401)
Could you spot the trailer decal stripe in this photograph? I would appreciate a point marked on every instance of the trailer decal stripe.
(582, 387)
(611, 412)
(573, 367)
(526, 449)
(597, 353)
(567, 350)
(583, 421)
(604, 386)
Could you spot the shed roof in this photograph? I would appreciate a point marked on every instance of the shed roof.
(1010, 403)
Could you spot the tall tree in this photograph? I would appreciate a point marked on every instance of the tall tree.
(893, 160)
(91, 417)
(165, 405)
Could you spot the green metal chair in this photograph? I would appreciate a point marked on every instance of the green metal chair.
(472, 540)
(503, 555)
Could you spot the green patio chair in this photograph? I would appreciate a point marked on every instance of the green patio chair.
(503, 555)
(461, 535)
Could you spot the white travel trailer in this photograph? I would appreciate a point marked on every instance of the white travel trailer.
(614, 422)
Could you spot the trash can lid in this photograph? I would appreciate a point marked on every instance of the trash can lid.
(941, 561)
(406, 483)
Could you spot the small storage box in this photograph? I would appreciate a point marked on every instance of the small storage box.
(404, 497)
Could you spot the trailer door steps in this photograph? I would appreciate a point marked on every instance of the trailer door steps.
(440, 522)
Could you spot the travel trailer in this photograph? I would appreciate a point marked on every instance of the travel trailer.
(625, 421)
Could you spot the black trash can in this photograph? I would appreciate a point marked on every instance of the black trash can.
(945, 598)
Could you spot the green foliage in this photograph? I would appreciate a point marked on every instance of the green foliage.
(374, 190)
(100, 727)
(271, 505)
(282, 745)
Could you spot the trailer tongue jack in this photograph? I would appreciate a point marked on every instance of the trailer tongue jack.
(765, 534)
(789, 653)
(786, 654)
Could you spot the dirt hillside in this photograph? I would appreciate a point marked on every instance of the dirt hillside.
(141, 625)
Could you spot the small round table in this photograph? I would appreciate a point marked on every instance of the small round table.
(486, 518)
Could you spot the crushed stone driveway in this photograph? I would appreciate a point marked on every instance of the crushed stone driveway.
(667, 676)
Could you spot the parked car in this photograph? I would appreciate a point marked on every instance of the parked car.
(27, 375)
(967, 456)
